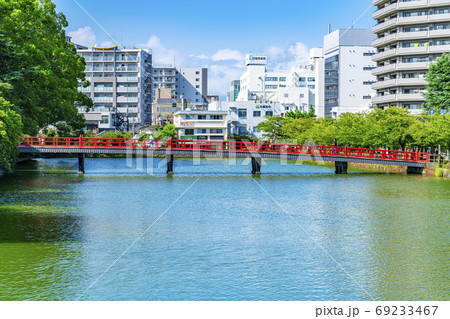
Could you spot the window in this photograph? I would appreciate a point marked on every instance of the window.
(216, 117)
(302, 95)
(202, 131)
(271, 78)
(242, 112)
(216, 131)
(201, 117)
(197, 100)
(282, 86)
(197, 93)
(197, 72)
(197, 86)
(302, 79)
(368, 53)
(269, 113)
(242, 130)
(368, 68)
(256, 113)
(271, 87)
(105, 119)
(282, 79)
(189, 131)
(311, 79)
(197, 80)
(311, 86)
(286, 94)
(367, 97)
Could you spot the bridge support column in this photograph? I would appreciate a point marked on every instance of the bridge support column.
(341, 167)
(169, 158)
(81, 163)
(256, 165)
(414, 170)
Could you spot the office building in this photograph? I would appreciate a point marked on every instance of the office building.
(201, 125)
(410, 35)
(234, 90)
(348, 69)
(243, 117)
(294, 87)
(190, 84)
(120, 86)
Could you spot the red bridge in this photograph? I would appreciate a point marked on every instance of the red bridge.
(415, 161)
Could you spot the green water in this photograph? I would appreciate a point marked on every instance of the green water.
(288, 235)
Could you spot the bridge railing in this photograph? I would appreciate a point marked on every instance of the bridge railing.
(233, 146)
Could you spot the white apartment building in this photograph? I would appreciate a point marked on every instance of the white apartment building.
(190, 84)
(201, 125)
(295, 87)
(244, 116)
(348, 72)
(410, 35)
(120, 86)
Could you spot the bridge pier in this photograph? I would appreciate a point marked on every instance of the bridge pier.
(341, 167)
(169, 158)
(414, 170)
(81, 163)
(256, 165)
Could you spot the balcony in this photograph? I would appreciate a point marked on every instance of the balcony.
(395, 98)
(103, 99)
(122, 99)
(127, 79)
(399, 82)
(122, 89)
(384, 69)
(103, 89)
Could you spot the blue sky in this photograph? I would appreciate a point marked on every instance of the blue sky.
(214, 34)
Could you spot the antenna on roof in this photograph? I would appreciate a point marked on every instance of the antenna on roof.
(329, 28)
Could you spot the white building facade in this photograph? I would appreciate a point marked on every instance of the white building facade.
(185, 83)
(410, 35)
(348, 71)
(120, 86)
(294, 87)
(201, 125)
(244, 116)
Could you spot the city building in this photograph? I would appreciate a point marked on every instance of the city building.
(190, 84)
(294, 87)
(244, 116)
(234, 91)
(77, 46)
(348, 69)
(201, 125)
(163, 110)
(410, 35)
(120, 86)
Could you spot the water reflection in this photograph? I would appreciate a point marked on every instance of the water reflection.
(225, 239)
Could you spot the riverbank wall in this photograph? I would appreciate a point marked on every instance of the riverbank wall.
(431, 169)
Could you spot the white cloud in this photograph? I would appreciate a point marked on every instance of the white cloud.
(200, 57)
(106, 44)
(227, 54)
(161, 55)
(84, 36)
(287, 55)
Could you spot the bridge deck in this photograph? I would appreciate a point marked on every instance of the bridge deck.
(148, 147)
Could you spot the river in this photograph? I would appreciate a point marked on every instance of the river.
(212, 232)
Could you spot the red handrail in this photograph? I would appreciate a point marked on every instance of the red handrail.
(238, 146)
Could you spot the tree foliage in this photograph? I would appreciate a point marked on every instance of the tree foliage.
(10, 130)
(438, 89)
(297, 114)
(166, 132)
(42, 78)
(394, 128)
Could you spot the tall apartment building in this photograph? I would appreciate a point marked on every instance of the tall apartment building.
(185, 83)
(234, 90)
(293, 88)
(120, 86)
(411, 34)
(348, 71)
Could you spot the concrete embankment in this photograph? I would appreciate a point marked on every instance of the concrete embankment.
(431, 169)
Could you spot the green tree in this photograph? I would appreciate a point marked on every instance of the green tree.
(46, 91)
(275, 126)
(438, 89)
(167, 132)
(297, 114)
(10, 130)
